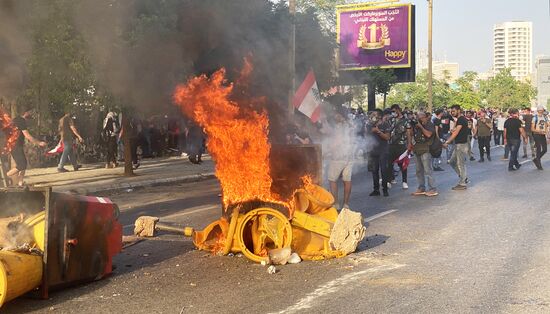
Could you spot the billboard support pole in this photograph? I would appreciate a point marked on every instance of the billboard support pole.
(430, 57)
(292, 56)
(371, 96)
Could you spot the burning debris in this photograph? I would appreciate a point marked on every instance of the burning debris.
(264, 226)
(10, 131)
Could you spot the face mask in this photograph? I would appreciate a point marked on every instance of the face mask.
(394, 115)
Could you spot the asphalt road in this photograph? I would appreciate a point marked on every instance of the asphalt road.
(484, 250)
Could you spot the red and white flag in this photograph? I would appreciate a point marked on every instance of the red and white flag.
(307, 99)
(403, 160)
(56, 150)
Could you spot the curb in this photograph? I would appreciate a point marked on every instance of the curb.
(144, 184)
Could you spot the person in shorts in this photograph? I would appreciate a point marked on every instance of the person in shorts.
(17, 173)
(341, 151)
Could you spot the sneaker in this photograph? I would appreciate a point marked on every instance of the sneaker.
(431, 193)
(405, 186)
(136, 165)
(77, 167)
(418, 193)
(386, 193)
(472, 158)
(375, 193)
(393, 181)
(62, 170)
(467, 180)
(439, 169)
(388, 185)
(184, 155)
(512, 169)
(459, 187)
(518, 166)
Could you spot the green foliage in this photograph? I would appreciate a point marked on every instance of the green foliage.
(466, 96)
(504, 92)
(415, 94)
(60, 76)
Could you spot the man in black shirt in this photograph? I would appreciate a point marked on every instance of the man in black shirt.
(513, 132)
(18, 152)
(378, 133)
(439, 134)
(460, 136)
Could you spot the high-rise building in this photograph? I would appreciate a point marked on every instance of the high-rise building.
(542, 68)
(446, 71)
(513, 48)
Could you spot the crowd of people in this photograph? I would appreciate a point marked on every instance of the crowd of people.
(392, 136)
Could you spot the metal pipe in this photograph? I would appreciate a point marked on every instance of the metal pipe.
(430, 69)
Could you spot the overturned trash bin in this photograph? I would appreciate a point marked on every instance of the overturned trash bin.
(53, 240)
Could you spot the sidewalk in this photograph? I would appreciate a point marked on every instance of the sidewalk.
(94, 178)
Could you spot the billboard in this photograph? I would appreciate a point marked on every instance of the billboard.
(375, 36)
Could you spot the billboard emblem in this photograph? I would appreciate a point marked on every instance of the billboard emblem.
(375, 42)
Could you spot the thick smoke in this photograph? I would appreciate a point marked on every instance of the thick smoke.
(15, 47)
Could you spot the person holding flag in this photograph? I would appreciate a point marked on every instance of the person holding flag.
(400, 143)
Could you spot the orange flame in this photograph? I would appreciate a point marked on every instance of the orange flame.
(11, 132)
(237, 135)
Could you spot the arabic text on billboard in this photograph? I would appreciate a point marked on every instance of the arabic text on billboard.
(374, 37)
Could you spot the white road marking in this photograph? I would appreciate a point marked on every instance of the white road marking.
(194, 211)
(382, 214)
(526, 161)
(334, 286)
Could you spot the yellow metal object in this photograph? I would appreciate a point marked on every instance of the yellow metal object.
(188, 231)
(37, 223)
(19, 274)
(312, 223)
(263, 229)
(260, 231)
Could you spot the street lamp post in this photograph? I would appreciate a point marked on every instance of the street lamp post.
(430, 69)
(292, 55)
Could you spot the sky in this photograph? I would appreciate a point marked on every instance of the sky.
(463, 29)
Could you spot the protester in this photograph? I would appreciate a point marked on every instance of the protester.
(483, 134)
(110, 133)
(460, 137)
(500, 129)
(378, 131)
(68, 132)
(17, 173)
(513, 132)
(540, 128)
(195, 143)
(400, 141)
(440, 134)
(340, 154)
(527, 119)
(472, 123)
(424, 133)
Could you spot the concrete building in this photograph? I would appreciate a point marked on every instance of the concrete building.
(513, 48)
(542, 81)
(448, 71)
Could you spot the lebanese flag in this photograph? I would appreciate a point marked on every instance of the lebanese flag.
(307, 99)
(56, 150)
(403, 160)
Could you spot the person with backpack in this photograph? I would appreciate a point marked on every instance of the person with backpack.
(424, 134)
(110, 134)
(540, 128)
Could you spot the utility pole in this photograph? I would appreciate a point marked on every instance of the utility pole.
(430, 57)
(292, 56)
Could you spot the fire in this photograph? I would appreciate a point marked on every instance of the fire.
(11, 132)
(237, 135)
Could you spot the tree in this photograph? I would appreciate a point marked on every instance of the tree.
(466, 96)
(504, 91)
(415, 94)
